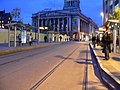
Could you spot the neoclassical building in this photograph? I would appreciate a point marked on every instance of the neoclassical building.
(109, 6)
(69, 21)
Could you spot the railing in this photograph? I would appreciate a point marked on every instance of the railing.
(101, 73)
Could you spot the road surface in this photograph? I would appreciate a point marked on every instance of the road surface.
(21, 71)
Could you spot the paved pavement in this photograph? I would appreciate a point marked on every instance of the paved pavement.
(70, 80)
(110, 66)
(4, 49)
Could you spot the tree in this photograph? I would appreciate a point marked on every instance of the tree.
(16, 14)
(116, 14)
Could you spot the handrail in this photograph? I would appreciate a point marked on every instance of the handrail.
(101, 73)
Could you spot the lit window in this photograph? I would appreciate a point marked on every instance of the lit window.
(2, 26)
(9, 18)
(116, 2)
(8, 21)
(117, 6)
(111, 2)
(2, 21)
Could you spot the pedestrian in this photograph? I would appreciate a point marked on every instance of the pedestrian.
(30, 39)
(98, 40)
(27, 38)
(60, 38)
(19, 40)
(94, 41)
(106, 40)
(45, 39)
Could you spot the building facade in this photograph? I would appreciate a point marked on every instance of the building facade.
(69, 21)
(109, 6)
(5, 18)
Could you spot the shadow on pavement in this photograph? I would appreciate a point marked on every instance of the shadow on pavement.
(84, 51)
(3, 45)
(84, 59)
(61, 57)
(116, 58)
(86, 44)
(101, 57)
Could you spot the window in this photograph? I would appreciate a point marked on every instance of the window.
(2, 26)
(111, 7)
(116, 2)
(111, 2)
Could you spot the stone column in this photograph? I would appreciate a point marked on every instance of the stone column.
(78, 29)
(114, 39)
(63, 24)
(38, 28)
(58, 24)
(70, 23)
(119, 39)
(9, 36)
(54, 24)
(50, 23)
(67, 24)
(41, 22)
(14, 36)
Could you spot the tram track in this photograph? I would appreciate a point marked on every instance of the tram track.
(38, 83)
(85, 79)
(22, 58)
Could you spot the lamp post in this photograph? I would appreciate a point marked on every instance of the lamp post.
(102, 15)
(119, 37)
(38, 27)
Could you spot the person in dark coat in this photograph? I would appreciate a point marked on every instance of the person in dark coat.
(45, 38)
(20, 40)
(60, 38)
(98, 40)
(106, 40)
(94, 41)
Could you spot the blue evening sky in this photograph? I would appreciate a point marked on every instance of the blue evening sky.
(90, 8)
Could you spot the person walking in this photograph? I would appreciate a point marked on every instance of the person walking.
(19, 40)
(45, 39)
(98, 40)
(60, 38)
(30, 39)
(106, 40)
(94, 41)
(27, 38)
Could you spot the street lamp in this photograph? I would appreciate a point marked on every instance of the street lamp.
(102, 14)
(38, 27)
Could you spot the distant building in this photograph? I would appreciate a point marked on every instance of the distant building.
(69, 21)
(5, 18)
(109, 7)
